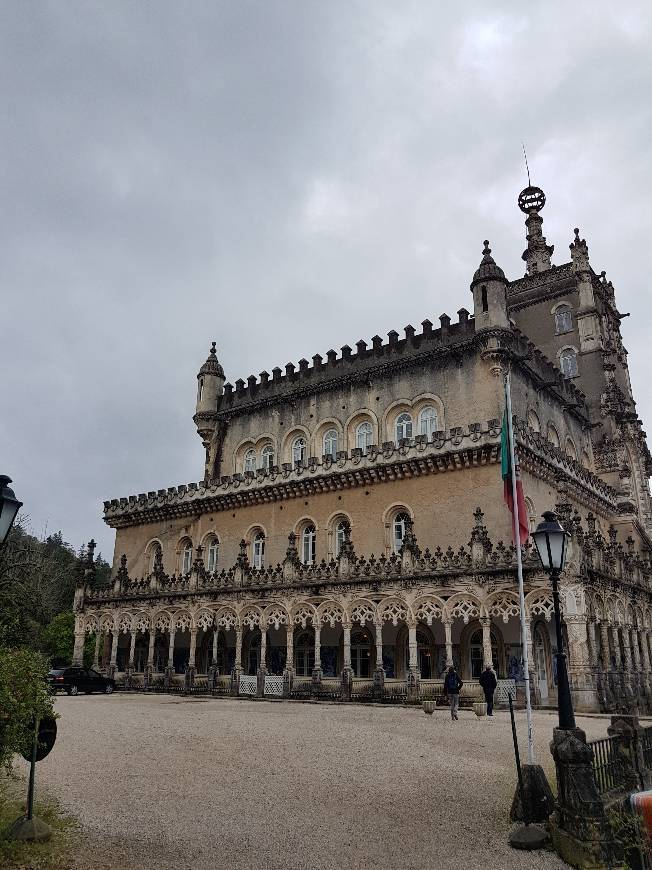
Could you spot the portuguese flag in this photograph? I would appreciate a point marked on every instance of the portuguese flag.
(508, 495)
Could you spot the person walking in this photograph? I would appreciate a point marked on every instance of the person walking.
(452, 686)
(488, 682)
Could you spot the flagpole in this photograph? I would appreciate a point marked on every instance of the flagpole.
(519, 570)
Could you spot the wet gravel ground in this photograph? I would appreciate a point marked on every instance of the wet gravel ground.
(165, 782)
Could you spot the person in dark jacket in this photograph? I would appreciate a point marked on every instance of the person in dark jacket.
(452, 686)
(488, 682)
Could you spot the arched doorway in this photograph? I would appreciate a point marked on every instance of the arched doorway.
(252, 653)
(476, 654)
(304, 653)
(361, 652)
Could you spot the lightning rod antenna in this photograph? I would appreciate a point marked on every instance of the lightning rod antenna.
(526, 165)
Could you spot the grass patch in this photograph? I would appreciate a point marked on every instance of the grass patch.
(53, 855)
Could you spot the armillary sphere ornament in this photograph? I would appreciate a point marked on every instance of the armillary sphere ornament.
(531, 199)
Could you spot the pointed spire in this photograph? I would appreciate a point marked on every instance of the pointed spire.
(212, 365)
(537, 254)
(488, 270)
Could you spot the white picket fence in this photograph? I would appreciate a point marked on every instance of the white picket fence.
(248, 685)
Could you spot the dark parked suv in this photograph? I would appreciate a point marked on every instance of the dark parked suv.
(76, 680)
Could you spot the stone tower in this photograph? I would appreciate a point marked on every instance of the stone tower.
(210, 388)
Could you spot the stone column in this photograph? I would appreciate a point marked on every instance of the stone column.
(96, 656)
(150, 650)
(615, 637)
(289, 648)
(132, 650)
(579, 671)
(448, 624)
(413, 676)
(216, 635)
(193, 648)
(627, 647)
(347, 646)
(114, 653)
(316, 671)
(78, 650)
(379, 645)
(238, 650)
(171, 651)
(485, 622)
(604, 644)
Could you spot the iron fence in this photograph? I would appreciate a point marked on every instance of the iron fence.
(609, 769)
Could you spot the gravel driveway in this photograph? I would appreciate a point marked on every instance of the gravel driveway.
(166, 782)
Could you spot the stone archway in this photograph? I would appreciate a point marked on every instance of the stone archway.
(471, 651)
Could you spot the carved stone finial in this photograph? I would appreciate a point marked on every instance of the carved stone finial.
(537, 254)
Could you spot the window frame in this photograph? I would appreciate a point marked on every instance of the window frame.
(568, 353)
(299, 443)
(309, 544)
(267, 456)
(249, 461)
(213, 547)
(186, 557)
(404, 420)
(340, 527)
(434, 415)
(399, 518)
(331, 437)
(566, 312)
(367, 437)
(258, 549)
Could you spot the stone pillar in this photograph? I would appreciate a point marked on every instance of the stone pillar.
(289, 648)
(615, 637)
(150, 649)
(347, 671)
(347, 647)
(579, 828)
(171, 651)
(413, 675)
(78, 650)
(96, 655)
(604, 644)
(448, 624)
(316, 671)
(193, 648)
(627, 646)
(216, 635)
(132, 650)
(485, 622)
(379, 671)
(262, 666)
(114, 653)
(579, 671)
(238, 651)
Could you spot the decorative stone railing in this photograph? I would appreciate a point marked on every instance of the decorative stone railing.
(597, 558)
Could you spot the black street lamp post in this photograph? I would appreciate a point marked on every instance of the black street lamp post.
(9, 507)
(550, 539)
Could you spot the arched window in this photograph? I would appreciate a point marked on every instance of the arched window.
(213, 553)
(563, 319)
(267, 456)
(533, 421)
(186, 558)
(155, 551)
(363, 436)
(308, 545)
(571, 450)
(340, 536)
(201, 389)
(568, 362)
(250, 460)
(403, 427)
(553, 435)
(259, 550)
(428, 422)
(330, 443)
(299, 451)
(398, 530)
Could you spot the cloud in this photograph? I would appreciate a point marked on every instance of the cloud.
(282, 178)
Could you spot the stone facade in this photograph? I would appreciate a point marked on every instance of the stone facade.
(349, 523)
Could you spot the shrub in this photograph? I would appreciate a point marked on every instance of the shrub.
(23, 695)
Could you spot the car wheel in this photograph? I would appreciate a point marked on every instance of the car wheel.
(73, 690)
(108, 689)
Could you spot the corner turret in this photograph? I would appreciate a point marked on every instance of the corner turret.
(210, 388)
(489, 288)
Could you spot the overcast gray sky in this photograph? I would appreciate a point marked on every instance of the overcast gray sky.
(282, 177)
